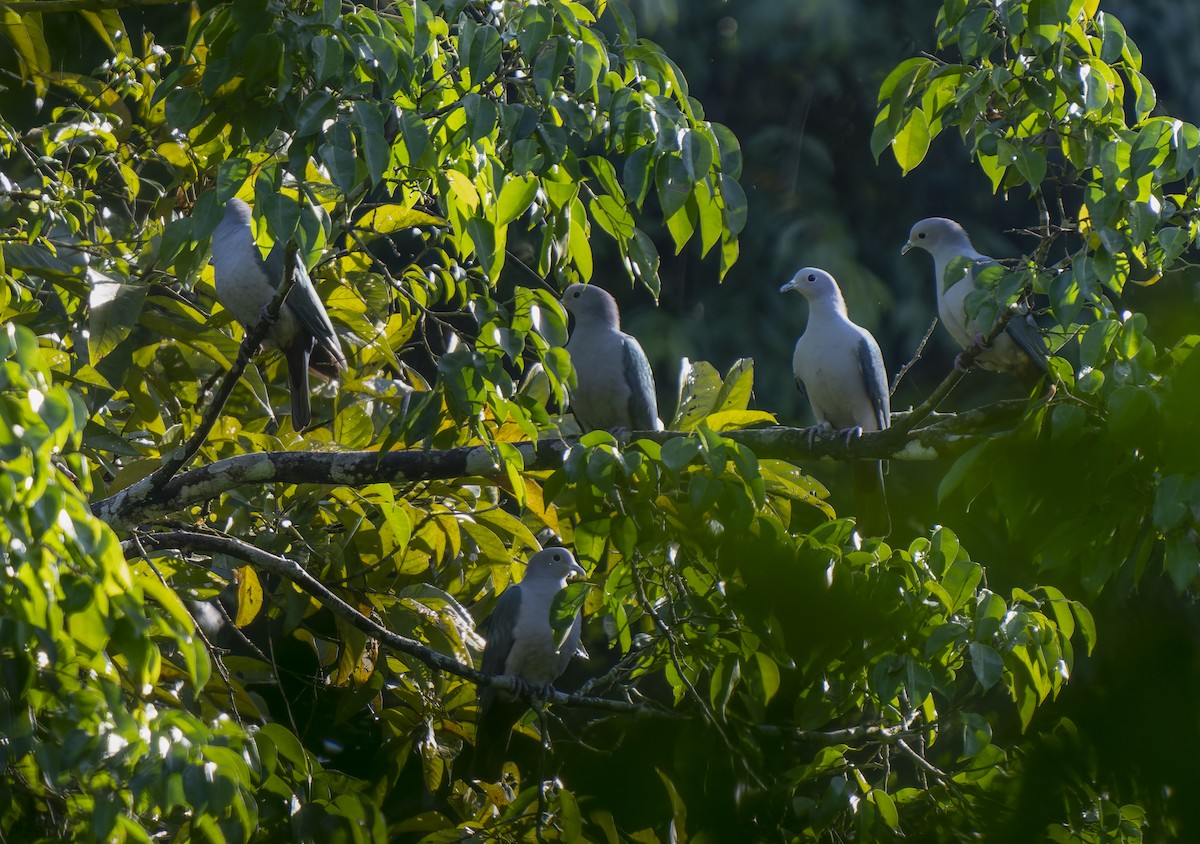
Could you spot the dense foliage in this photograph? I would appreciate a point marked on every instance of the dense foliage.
(217, 627)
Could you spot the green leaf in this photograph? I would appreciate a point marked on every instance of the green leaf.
(482, 116)
(489, 247)
(535, 27)
(769, 676)
(1150, 148)
(903, 78)
(699, 387)
(1031, 163)
(612, 216)
(516, 196)
(369, 118)
(1171, 502)
(918, 681)
(563, 609)
(1087, 624)
(912, 141)
(986, 663)
(736, 206)
(729, 150)
(643, 256)
(591, 61)
(674, 184)
(1145, 97)
(417, 148)
(679, 452)
(480, 48)
(636, 174)
(338, 154)
(24, 33)
(886, 806)
(317, 107)
(960, 582)
(113, 311)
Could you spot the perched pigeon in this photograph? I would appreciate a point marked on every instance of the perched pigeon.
(522, 643)
(839, 367)
(1019, 349)
(245, 284)
(615, 383)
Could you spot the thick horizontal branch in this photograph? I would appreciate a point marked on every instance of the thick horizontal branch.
(141, 502)
(180, 541)
(81, 5)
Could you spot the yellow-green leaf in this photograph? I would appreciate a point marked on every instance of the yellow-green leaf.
(912, 141)
(249, 595)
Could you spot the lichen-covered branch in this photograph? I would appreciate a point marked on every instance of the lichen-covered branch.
(81, 5)
(141, 502)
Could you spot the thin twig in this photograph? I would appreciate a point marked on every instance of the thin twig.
(673, 654)
(913, 360)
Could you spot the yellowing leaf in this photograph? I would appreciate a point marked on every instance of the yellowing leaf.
(727, 420)
(390, 218)
(249, 595)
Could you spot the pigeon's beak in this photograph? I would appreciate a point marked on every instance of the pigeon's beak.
(577, 569)
(791, 285)
(907, 246)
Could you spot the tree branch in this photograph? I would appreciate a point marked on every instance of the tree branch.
(861, 735)
(183, 541)
(141, 502)
(82, 5)
(206, 543)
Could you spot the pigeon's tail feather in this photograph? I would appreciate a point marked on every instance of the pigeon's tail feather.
(492, 733)
(1025, 334)
(327, 359)
(870, 498)
(297, 367)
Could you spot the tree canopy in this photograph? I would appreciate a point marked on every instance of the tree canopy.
(216, 627)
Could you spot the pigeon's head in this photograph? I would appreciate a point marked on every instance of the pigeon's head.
(553, 564)
(815, 284)
(591, 304)
(934, 234)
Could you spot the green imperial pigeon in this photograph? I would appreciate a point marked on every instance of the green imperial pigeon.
(1019, 349)
(522, 643)
(246, 283)
(839, 367)
(615, 384)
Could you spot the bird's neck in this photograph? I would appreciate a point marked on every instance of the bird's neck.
(606, 314)
(597, 322)
(828, 306)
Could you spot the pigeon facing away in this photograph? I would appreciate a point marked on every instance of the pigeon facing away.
(839, 367)
(615, 386)
(1018, 350)
(246, 283)
(522, 643)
